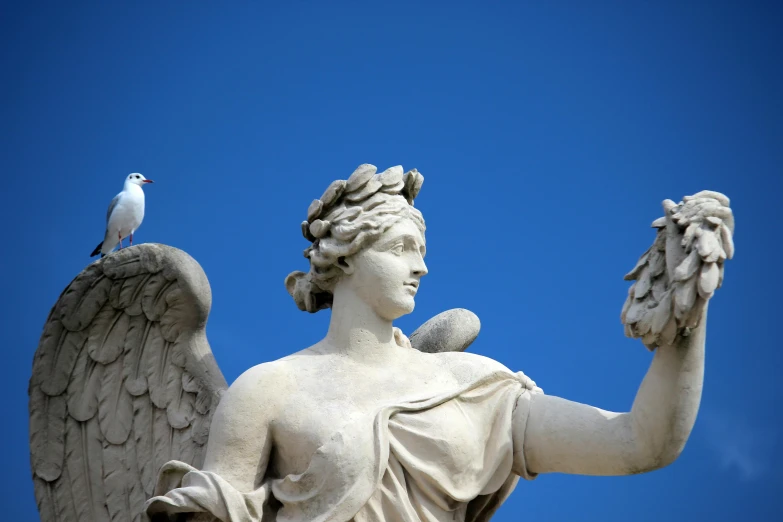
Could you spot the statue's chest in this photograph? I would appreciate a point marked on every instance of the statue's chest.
(313, 418)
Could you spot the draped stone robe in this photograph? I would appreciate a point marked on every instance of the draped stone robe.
(441, 457)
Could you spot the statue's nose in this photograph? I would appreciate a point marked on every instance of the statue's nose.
(420, 269)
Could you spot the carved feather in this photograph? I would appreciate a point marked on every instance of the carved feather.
(44, 497)
(198, 456)
(171, 321)
(184, 448)
(51, 338)
(132, 364)
(83, 388)
(136, 494)
(179, 352)
(181, 406)
(162, 438)
(155, 361)
(144, 441)
(55, 500)
(83, 456)
(57, 359)
(203, 401)
(125, 294)
(189, 383)
(47, 434)
(146, 259)
(123, 265)
(84, 297)
(172, 389)
(106, 339)
(115, 479)
(115, 405)
(201, 429)
(153, 301)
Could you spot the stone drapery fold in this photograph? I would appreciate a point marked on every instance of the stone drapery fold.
(438, 458)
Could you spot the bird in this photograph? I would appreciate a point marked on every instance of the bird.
(126, 211)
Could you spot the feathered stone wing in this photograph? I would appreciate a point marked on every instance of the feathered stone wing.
(660, 306)
(123, 381)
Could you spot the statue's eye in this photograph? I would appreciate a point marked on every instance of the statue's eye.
(398, 249)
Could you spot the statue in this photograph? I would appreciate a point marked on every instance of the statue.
(131, 418)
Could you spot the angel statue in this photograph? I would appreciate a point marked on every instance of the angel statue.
(131, 418)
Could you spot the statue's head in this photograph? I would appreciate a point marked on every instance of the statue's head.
(366, 237)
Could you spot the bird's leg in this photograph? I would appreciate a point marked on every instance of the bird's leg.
(119, 235)
(131, 239)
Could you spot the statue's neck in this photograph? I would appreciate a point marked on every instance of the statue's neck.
(357, 331)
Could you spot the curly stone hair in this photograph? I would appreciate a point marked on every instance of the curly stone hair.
(350, 215)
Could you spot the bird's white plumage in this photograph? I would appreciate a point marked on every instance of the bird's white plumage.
(126, 212)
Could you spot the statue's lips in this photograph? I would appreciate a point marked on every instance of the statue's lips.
(414, 286)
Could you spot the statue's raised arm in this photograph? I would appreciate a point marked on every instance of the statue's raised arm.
(667, 309)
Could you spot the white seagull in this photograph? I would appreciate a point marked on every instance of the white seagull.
(126, 211)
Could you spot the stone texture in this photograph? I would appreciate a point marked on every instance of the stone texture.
(127, 402)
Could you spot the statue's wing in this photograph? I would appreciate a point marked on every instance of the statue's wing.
(696, 235)
(123, 381)
(450, 331)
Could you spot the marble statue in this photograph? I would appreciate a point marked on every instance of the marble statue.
(131, 418)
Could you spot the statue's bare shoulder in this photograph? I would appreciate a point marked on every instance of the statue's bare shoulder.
(466, 367)
(257, 391)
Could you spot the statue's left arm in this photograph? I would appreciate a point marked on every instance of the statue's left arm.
(667, 308)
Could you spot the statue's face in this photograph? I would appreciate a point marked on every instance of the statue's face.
(386, 275)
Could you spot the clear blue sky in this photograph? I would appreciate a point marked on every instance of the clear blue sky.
(548, 134)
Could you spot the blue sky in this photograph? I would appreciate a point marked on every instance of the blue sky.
(548, 134)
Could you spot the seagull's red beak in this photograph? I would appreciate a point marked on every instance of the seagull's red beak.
(148, 181)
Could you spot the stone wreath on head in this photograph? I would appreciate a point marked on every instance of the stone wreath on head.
(349, 216)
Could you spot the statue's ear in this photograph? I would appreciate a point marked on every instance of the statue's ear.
(346, 263)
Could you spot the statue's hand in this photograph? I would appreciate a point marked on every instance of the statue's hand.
(681, 271)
